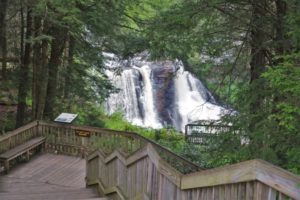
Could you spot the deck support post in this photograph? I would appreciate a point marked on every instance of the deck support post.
(27, 156)
(6, 166)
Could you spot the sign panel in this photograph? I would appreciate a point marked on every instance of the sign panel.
(82, 133)
(65, 117)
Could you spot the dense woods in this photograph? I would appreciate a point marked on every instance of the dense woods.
(246, 51)
(51, 53)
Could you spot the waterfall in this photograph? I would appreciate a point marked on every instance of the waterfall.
(158, 93)
(127, 99)
(194, 101)
(150, 118)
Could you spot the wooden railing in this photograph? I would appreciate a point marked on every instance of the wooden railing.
(18, 136)
(203, 131)
(124, 165)
(144, 175)
(63, 138)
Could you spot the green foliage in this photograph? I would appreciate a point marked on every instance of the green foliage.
(167, 137)
(214, 40)
(7, 113)
(284, 83)
(93, 27)
(272, 132)
(212, 44)
(109, 143)
(7, 122)
(293, 20)
(116, 122)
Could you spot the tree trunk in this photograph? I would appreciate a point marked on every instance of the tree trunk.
(257, 63)
(36, 65)
(40, 71)
(258, 39)
(3, 40)
(24, 71)
(42, 81)
(69, 66)
(282, 44)
(57, 47)
(281, 41)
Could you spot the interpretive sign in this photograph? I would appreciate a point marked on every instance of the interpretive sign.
(65, 117)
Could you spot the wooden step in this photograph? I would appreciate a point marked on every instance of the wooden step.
(49, 193)
(48, 196)
(99, 198)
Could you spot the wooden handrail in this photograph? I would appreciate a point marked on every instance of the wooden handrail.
(18, 136)
(278, 178)
(251, 170)
(194, 167)
(18, 130)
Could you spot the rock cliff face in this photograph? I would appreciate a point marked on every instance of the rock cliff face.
(164, 91)
(158, 93)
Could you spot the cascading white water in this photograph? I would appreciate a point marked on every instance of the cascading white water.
(193, 99)
(151, 96)
(126, 100)
(150, 118)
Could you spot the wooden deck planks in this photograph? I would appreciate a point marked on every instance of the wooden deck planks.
(54, 169)
(47, 176)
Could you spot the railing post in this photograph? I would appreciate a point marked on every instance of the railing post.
(39, 129)
(84, 141)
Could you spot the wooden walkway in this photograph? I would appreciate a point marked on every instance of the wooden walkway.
(125, 165)
(47, 176)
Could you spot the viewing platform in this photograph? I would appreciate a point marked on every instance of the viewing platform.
(47, 176)
(79, 162)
